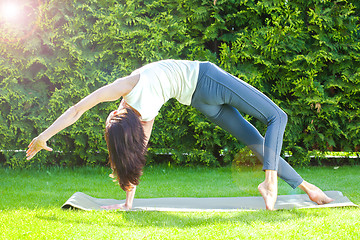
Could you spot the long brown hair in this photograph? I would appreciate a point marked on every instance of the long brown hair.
(125, 140)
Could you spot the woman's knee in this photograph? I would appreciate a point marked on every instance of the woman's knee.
(279, 116)
(283, 116)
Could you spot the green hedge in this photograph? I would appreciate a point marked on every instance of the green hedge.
(302, 54)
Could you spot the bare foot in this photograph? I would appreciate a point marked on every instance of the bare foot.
(269, 193)
(315, 194)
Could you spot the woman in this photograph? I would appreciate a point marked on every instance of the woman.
(203, 85)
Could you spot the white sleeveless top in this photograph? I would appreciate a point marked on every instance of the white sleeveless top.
(160, 81)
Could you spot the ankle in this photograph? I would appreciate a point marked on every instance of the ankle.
(270, 177)
(307, 187)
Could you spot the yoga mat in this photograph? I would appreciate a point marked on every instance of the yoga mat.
(85, 202)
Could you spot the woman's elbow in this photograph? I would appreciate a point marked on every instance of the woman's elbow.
(75, 112)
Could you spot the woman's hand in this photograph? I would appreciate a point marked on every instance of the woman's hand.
(35, 146)
(116, 206)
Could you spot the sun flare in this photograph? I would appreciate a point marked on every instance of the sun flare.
(19, 19)
(10, 11)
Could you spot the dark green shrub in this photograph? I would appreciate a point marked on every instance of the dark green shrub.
(302, 54)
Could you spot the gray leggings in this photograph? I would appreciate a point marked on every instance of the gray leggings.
(221, 97)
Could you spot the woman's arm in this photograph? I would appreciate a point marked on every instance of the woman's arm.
(110, 92)
(128, 202)
(147, 126)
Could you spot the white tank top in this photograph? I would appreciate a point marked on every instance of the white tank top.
(160, 81)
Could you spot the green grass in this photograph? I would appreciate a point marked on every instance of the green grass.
(30, 203)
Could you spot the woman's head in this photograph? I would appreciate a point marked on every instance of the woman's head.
(125, 140)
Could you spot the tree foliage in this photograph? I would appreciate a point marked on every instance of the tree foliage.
(302, 54)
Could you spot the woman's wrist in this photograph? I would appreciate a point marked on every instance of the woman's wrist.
(43, 137)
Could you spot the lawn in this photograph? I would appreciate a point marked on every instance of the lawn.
(30, 202)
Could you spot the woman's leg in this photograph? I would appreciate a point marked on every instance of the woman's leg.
(216, 99)
(217, 88)
(231, 120)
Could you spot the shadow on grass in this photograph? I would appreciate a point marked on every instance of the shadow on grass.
(121, 219)
(184, 220)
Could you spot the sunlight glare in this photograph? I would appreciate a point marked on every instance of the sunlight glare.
(10, 11)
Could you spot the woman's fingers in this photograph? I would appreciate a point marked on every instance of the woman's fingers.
(35, 146)
(31, 145)
(30, 155)
(115, 206)
(48, 148)
(110, 207)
